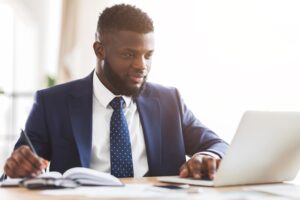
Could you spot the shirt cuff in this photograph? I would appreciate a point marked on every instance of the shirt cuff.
(208, 153)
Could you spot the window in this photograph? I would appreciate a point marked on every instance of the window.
(18, 73)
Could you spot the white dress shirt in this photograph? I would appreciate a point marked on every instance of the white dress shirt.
(102, 111)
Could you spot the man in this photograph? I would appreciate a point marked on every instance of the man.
(77, 124)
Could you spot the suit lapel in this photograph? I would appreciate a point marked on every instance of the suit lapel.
(80, 109)
(149, 110)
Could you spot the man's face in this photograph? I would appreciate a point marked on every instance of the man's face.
(126, 61)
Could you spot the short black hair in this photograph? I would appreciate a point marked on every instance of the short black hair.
(124, 17)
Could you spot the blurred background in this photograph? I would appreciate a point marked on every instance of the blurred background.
(225, 57)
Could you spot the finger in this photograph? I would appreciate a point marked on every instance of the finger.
(195, 167)
(44, 164)
(23, 162)
(211, 167)
(8, 168)
(14, 169)
(37, 163)
(20, 165)
(29, 156)
(10, 172)
(184, 171)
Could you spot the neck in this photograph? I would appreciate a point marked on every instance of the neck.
(104, 81)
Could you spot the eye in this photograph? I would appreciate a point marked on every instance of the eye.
(148, 55)
(128, 55)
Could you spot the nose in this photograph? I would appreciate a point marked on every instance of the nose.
(140, 63)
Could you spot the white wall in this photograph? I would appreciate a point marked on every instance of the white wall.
(29, 41)
(224, 56)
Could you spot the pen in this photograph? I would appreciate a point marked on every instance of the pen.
(28, 141)
(30, 144)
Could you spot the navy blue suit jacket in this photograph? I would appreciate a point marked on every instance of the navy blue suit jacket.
(60, 127)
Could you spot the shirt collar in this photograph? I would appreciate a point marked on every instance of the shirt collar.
(104, 95)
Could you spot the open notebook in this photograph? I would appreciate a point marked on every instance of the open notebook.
(265, 149)
(70, 178)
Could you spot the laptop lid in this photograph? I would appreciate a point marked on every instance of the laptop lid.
(265, 149)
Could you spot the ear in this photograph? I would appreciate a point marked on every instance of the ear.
(99, 50)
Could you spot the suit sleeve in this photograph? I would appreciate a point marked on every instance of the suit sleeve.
(36, 128)
(198, 137)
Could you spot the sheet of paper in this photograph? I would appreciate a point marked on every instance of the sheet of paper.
(149, 191)
(286, 190)
(127, 191)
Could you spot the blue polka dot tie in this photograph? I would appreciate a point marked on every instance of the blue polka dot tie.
(120, 147)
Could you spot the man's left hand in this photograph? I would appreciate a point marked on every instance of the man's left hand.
(200, 166)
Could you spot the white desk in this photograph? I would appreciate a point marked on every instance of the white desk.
(25, 194)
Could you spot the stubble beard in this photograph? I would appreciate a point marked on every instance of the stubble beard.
(119, 84)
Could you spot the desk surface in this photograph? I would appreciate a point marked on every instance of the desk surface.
(16, 193)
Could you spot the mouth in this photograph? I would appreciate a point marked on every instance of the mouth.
(137, 78)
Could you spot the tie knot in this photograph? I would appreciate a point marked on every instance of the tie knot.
(117, 103)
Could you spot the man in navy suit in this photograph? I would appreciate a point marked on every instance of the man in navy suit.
(69, 124)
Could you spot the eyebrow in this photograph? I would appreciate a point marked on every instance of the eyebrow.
(135, 51)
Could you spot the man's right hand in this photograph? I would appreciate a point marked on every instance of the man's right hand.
(24, 163)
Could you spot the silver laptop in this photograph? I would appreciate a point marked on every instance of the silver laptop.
(265, 149)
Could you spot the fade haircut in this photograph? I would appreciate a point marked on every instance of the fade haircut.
(123, 17)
